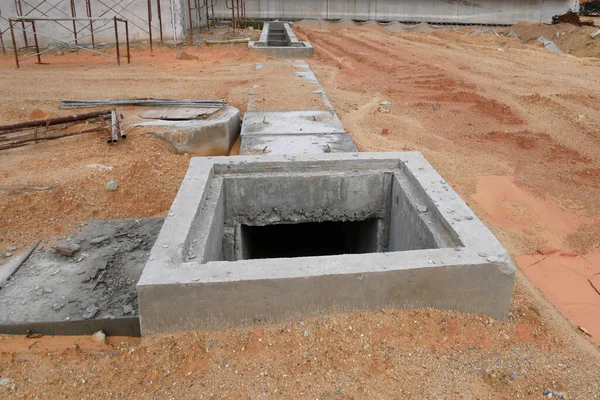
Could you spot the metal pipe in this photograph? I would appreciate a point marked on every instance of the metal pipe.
(12, 34)
(127, 38)
(191, 24)
(150, 23)
(237, 9)
(115, 125)
(1, 38)
(23, 142)
(232, 16)
(29, 19)
(122, 128)
(74, 15)
(206, 6)
(20, 14)
(6, 129)
(117, 41)
(37, 47)
(173, 25)
(159, 19)
(66, 103)
(244, 13)
(88, 10)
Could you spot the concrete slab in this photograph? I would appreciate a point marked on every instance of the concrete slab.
(291, 122)
(298, 144)
(431, 250)
(293, 131)
(209, 137)
(96, 283)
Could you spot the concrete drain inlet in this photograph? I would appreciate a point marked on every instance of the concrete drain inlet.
(278, 40)
(272, 238)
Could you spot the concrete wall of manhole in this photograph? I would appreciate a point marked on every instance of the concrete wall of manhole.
(285, 215)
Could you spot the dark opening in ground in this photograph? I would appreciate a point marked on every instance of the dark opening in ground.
(309, 239)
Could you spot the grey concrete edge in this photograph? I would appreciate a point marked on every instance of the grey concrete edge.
(481, 246)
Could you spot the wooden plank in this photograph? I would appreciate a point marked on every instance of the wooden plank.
(179, 113)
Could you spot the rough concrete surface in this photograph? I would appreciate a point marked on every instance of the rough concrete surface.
(297, 144)
(291, 122)
(96, 282)
(204, 137)
(182, 290)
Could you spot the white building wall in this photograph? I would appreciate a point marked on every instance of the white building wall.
(502, 12)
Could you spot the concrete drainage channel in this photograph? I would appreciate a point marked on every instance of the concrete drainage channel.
(299, 224)
(278, 40)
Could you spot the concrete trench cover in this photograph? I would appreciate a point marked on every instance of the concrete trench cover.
(213, 136)
(308, 124)
(272, 238)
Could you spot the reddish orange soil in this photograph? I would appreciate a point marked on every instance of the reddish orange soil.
(515, 132)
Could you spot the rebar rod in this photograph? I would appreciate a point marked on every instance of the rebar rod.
(142, 102)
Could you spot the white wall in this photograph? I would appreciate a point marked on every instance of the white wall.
(459, 11)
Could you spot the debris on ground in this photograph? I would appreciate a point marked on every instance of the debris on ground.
(66, 248)
(97, 280)
(182, 55)
(111, 186)
(570, 18)
(99, 337)
(229, 41)
(550, 45)
(24, 133)
(585, 331)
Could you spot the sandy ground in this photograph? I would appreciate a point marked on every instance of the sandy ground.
(512, 128)
(515, 132)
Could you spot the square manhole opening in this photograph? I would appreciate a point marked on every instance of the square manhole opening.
(308, 214)
(310, 239)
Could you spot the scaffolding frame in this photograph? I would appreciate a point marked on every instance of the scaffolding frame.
(55, 9)
(22, 20)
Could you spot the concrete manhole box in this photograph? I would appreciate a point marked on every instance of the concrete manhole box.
(271, 238)
(278, 40)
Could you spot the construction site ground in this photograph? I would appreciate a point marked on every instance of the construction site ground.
(513, 128)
